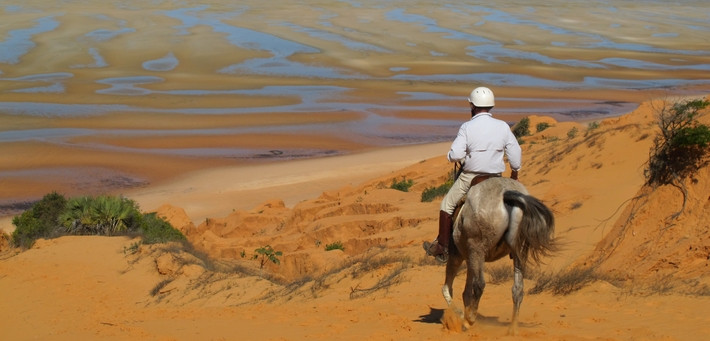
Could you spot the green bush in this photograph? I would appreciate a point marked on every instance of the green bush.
(522, 128)
(593, 125)
(681, 145)
(335, 246)
(55, 216)
(431, 193)
(572, 133)
(542, 126)
(692, 136)
(40, 221)
(267, 254)
(403, 185)
(156, 230)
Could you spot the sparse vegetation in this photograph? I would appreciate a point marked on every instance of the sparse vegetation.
(335, 246)
(402, 185)
(566, 281)
(499, 274)
(397, 265)
(391, 278)
(157, 289)
(133, 248)
(668, 284)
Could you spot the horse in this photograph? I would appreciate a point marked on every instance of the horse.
(497, 218)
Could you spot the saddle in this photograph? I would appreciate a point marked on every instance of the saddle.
(476, 180)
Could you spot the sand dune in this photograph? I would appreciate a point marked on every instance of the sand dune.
(113, 288)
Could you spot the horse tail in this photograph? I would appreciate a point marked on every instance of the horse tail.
(535, 235)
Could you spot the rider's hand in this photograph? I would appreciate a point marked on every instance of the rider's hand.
(514, 174)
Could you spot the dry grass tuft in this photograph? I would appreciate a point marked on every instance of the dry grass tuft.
(566, 281)
(392, 278)
(667, 285)
(498, 274)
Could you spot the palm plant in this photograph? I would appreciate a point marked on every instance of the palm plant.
(114, 215)
(77, 216)
(103, 215)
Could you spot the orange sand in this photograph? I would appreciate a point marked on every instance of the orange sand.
(105, 288)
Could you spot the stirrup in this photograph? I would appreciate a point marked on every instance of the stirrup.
(432, 247)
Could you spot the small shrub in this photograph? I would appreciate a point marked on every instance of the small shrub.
(500, 274)
(133, 248)
(692, 136)
(156, 230)
(267, 254)
(40, 221)
(159, 287)
(431, 193)
(542, 126)
(565, 282)
(335, 246)
(681, 145)
(591, 126)
(403, 185)
(522, 128)
(572, 133)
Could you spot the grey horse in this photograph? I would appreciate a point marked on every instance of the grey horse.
(498, 218)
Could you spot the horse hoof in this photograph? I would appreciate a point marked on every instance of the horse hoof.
(452, 320)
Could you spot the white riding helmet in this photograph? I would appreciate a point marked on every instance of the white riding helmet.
(482, 97)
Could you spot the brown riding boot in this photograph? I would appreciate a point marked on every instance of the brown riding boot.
(440, 247)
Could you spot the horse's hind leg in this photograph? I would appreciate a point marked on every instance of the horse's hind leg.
(452, 267)
(517, 295)
(475, 283)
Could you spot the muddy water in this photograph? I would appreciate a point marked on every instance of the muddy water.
(102, 94)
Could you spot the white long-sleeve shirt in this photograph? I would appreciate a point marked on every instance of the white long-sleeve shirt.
(481, 143)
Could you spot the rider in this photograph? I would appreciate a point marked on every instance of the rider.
(480, 145)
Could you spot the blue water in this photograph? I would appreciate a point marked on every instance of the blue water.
(19, 42)
(604, 44)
